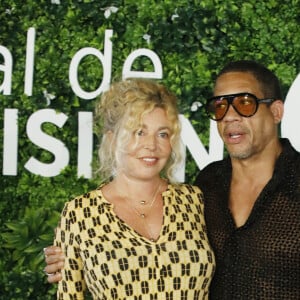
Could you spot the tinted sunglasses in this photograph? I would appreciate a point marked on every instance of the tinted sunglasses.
(245, 104)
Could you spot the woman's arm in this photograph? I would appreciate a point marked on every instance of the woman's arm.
(72, 284)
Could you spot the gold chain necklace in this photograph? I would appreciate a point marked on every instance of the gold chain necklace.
(143, 215)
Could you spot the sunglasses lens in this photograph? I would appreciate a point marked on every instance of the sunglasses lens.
(217, 108)
(245, 105)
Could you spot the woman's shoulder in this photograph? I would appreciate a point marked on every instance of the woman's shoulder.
(185, 194)
(184, 188)
(88, 199)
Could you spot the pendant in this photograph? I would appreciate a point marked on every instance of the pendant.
(143, 216)
(143, 202)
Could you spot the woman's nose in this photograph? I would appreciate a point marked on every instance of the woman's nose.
(150, 142)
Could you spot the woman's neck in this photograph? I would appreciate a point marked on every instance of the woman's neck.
(123, 186)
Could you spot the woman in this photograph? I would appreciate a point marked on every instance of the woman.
(138, 236)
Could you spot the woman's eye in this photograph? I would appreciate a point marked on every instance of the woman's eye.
(139, 132)
(164, 134)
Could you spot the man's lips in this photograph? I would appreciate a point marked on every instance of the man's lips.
(233, 136)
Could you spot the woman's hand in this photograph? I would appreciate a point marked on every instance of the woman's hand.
(55, 260)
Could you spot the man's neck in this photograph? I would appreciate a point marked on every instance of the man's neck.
(258, 167)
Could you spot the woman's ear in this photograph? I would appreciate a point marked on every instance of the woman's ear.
(277, 109)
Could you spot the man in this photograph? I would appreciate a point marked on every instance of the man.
(252, 197)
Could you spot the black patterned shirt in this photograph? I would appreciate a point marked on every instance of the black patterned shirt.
(261, 259)
(113, 261)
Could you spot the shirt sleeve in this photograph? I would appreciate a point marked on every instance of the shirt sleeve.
(72, 285)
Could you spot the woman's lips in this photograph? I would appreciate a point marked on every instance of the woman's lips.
(149, 160)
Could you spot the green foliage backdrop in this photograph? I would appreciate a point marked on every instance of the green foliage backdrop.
(193, 39)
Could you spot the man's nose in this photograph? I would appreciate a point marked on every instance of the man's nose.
(231, 114)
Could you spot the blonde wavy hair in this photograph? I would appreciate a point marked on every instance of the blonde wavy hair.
(119, 113)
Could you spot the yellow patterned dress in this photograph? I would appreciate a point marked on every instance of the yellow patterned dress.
(113, 261)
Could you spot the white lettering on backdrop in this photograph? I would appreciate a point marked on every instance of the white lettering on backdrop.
(6, 68)
(28, 81)
(290, 124)
(10, 142)
(47, 142)
(59, 150)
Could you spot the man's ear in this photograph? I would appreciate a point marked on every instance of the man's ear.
(277, 109)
